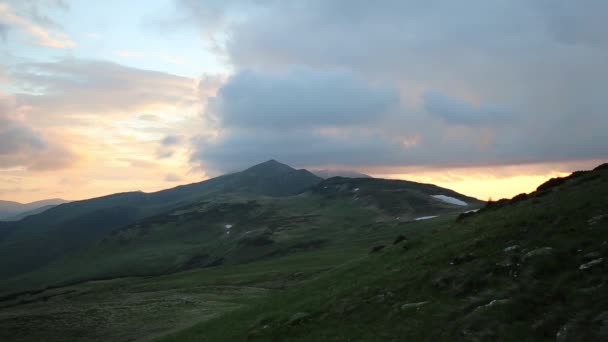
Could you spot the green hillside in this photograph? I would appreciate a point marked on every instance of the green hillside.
(35, 241)
(533, 268)
(346, 259)
(217, 253)
(335, 212)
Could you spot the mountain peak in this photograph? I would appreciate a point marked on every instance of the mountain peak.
(269, 166)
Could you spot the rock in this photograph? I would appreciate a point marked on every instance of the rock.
(379, 299)
(510, 248)
(298, 317)
(377, 249)
(462, 259)
(591, 264)
(493, 303)
(538, 252)
(596, 219)
(591, 256)
(565, 333)
(409, 306)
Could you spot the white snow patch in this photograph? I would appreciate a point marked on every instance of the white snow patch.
(425, 218)
(356, 189)
(471, 211)
(450, 200)
(228, 226)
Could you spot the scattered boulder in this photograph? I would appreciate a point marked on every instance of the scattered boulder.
(379, 299)
(399, 239)
(376, 249)
(591, 256)
(596, 219)
(591, 264)
(410, 306)
(298, 318)
(493, 303)
(538, 252)
(462, 259)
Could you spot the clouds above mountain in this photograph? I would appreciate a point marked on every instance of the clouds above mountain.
(22, 146)
(93, 87)
(299, 97)
(407, 82)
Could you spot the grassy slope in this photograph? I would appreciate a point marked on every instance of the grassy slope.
(332, 214)
(32, 243)
(472, 286)
(311, 233)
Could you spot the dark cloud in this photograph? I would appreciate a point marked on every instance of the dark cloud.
(535, 69)
(168, 146)
(171, 140)
(300, 97)
(172, 177)
(456, 111)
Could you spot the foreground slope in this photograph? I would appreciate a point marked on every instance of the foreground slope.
(533, 268)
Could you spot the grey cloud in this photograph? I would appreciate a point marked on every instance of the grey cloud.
(456, 111)
(23, 146)
(3, 31)
(300, 97)
(536, 68)
(171, 140)
(172, 177)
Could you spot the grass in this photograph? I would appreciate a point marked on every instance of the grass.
(456, 281)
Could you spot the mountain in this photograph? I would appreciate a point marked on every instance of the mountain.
(531, 268)
(266, 211)
(346, 259)
(9, 209)
(325, 174)
(36, 240)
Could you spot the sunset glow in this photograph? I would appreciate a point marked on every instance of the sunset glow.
(112, 97)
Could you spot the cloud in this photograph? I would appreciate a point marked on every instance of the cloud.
(456, 111)
(37, 28)
(84, 87)
(532, 73)
(172, 177)
(300, 97)
(23, 146)
(171, 140)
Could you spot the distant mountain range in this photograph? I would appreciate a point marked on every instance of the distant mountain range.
(325, 174)
(13, 211)
(38, 241)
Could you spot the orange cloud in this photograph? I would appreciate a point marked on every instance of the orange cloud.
(40, 35)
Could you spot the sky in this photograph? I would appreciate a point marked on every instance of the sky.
(489, 98)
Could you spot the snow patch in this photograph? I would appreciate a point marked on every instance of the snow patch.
(471, 211)
(227, 227)
(356, 189)
(450, 200)
(425, 218)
